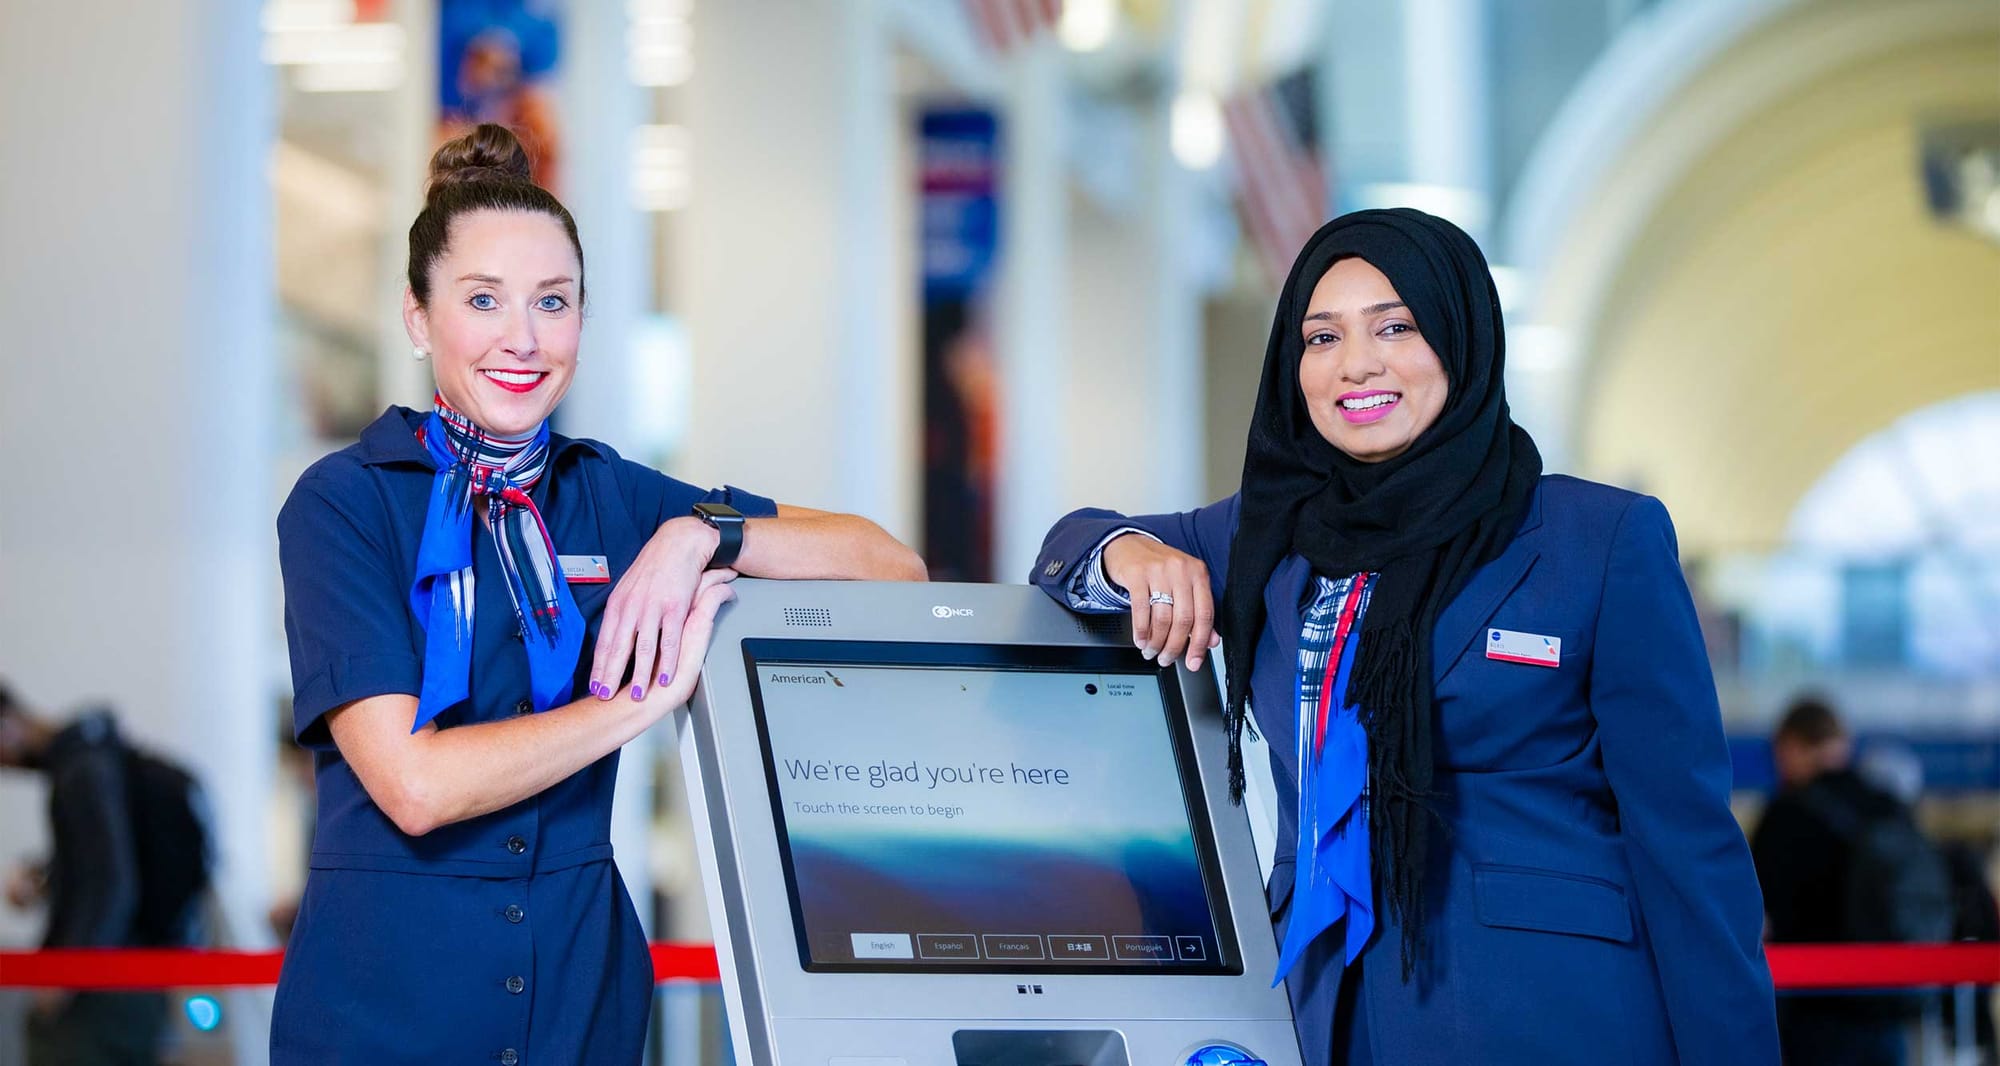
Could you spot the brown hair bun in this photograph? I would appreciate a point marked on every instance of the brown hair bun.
(489, 153)
(485, 170)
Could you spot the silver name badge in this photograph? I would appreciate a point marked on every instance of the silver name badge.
(585, 569)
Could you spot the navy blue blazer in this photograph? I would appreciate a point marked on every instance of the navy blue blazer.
(1591, 898)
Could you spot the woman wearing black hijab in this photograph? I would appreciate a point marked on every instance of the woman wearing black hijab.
(1504, 832)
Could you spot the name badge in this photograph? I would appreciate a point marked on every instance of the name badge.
(585, 569)
(1531, 648)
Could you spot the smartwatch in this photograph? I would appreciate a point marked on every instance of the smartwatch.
(727, 521)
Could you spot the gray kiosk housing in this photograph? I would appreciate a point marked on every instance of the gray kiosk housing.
(872, 845)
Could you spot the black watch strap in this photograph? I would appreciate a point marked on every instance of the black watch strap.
(727, 521)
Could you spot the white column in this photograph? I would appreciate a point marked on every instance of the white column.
(1176, 303)
(1126, 410)
(1449, 121)
(874, 186)
(601, 110)
(414, 119)
(803, 388)
(1031, 323)
(136, 542)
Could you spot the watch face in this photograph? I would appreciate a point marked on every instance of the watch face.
(718, 512)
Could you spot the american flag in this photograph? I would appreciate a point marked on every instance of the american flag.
(1280, 182)
(1008, 24)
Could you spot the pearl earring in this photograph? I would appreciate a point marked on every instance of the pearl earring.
(421, 354)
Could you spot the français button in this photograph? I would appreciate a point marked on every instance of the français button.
(1013, 945)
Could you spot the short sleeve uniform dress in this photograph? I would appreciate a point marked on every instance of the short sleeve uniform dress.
(507, 938)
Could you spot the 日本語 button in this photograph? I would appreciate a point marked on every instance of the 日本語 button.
(516, 845)
(1078, 947)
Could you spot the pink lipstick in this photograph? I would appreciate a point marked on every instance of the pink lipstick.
(1371, 405)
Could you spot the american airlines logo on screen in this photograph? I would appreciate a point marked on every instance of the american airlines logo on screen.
(823, 678)
(941, 611)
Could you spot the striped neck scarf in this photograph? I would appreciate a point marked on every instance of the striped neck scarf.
(479, 471)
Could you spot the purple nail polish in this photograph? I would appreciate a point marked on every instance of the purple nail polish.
(638, 693)
(666, 679)
(600, 690)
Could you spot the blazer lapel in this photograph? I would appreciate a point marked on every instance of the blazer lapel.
(1279, 723)
(1281, 601)
(1465, 617)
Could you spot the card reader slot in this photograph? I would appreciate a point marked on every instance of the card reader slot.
(1039, 1047)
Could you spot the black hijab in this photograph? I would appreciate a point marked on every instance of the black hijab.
(1424, 520)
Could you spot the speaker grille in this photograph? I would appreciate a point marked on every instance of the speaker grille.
(808, 616)
(1101, 625)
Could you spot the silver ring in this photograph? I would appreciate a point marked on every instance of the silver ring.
(1161, 599)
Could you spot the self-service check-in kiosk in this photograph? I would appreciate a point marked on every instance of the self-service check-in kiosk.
(955, 824)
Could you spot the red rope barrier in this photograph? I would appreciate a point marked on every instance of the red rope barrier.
(1794, 967)
(1799, 967)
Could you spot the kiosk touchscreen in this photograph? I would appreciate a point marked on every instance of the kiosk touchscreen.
(954, 824)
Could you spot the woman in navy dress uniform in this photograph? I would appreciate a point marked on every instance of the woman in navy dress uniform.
(1504, 831)
(465, 592)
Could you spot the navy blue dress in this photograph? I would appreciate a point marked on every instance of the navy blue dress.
(507, 938)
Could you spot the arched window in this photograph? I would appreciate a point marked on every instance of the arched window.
(1904, 531)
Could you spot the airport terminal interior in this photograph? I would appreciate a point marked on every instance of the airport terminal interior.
(962, 267)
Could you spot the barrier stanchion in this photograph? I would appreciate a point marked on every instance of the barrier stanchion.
(1794, 967)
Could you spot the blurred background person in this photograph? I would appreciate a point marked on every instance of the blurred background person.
(1841, 859)
(128, 865)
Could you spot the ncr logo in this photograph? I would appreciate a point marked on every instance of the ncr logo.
(942, 611)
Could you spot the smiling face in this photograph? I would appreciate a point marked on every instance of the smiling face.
(1371, 383)
(503, 321)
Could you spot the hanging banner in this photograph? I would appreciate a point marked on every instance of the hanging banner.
(958, 161)
(497, 62)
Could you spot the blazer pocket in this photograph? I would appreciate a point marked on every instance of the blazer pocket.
(1519, 897)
